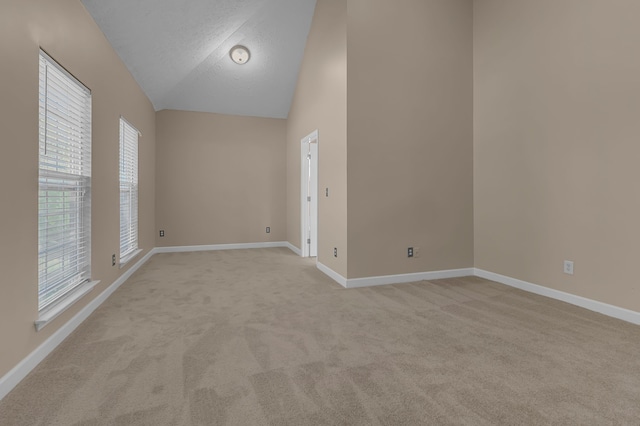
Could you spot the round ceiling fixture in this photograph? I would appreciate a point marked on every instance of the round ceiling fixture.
(239, 54)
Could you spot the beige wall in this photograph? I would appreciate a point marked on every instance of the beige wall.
(320, 102)
(410, 135)
(220, 179)
(557, 103)
(65, 30)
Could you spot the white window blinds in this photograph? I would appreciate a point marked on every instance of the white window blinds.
(64, 205)
(128, 190)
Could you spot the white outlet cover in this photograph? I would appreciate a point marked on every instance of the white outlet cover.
(568, 267)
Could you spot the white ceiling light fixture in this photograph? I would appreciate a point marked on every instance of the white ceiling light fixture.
(239, 54)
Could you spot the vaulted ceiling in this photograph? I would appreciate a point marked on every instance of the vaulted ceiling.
(178, 51)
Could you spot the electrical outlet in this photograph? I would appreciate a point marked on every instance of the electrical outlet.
(410, 252)
(326, 192)
(335, 252)
(113, 260)
(268, 229)
(162, 232)
(568, 267)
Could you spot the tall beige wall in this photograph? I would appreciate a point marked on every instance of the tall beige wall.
(66, 31)
(557, 101)
(410, 135)
(320, 102)
(220, 179)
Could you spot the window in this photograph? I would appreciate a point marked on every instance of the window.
(64, 196)
(128, 191)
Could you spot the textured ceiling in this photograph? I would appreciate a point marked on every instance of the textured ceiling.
(178, 51)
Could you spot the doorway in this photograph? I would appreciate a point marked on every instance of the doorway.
(309, 194)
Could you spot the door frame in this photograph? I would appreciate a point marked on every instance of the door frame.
(309, 144)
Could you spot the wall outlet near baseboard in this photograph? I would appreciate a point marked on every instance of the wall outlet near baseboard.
(268, 229)
(410, 252)
(113, 260)
(162, 232)
(335, 252)
(568, 267)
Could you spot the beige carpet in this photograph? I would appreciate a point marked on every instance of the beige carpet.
(258, 337)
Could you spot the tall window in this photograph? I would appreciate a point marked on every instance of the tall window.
(64, 200)
(128, 191)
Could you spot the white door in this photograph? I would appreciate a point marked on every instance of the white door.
(309, 195)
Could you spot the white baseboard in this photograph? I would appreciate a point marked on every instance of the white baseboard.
(332, 274)
(214, 247)
(24, 367)
(293, 248)
(393, 279)
(407, 278)
(592, 305)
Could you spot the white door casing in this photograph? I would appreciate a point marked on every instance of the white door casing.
(309, 194)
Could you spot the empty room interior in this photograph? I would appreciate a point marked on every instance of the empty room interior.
(319, 212)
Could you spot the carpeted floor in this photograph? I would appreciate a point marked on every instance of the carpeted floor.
(259, 337)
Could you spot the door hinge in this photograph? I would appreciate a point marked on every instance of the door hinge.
(308, 240)
(309, 198)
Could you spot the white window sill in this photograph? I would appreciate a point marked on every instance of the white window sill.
(53, 312)
(128, 258)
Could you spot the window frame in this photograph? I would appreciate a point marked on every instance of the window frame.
(64, 189)
(128, 166)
